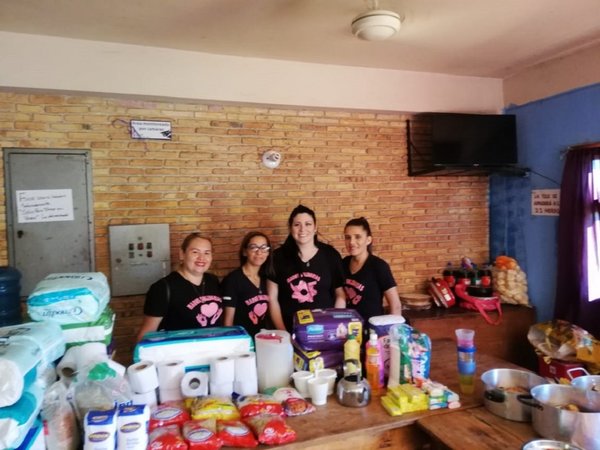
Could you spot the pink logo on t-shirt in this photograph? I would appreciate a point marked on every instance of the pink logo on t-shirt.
(304, 292)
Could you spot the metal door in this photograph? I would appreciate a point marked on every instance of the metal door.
(49, 213)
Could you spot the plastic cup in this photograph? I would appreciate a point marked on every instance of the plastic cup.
(466, 383)
(464, 337)
(301, 381)
(330, 375)
(317, 388)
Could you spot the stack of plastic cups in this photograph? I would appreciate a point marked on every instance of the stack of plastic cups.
(466, 360)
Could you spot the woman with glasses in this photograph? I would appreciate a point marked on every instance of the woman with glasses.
(368, 279)
(188, 297)
(307, 272)
(245, 288)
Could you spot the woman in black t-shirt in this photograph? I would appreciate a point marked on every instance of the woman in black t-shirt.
(307, 272)
(245, 288)
(188, 297)
(368, 279)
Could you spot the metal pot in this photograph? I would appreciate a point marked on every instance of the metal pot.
(502, 389)
(552, 421)
(352, 390)
(589, 385)
(547, 444)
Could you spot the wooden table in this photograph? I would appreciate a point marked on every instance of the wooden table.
(335, 427)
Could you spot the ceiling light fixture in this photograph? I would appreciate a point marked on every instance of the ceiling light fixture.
(376, 25)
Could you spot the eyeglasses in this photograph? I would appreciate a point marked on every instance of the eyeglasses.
(259, 248)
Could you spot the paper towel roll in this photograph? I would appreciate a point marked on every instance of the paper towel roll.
(142, 376)
(146, 398)
(170, 395)
(245, 366)
(170, 374)
(67, 366)
(194, 384)
(90, 353)
(221, 389)
(246, 387)
(222, 370)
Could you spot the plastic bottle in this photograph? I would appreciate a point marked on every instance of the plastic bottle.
(352, 351)
(374, 363)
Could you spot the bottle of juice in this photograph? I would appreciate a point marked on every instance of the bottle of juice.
(374, 363)
(351, 351)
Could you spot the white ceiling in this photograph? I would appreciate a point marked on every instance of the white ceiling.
(487, 38)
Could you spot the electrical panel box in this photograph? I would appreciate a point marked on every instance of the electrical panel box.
(139, 256)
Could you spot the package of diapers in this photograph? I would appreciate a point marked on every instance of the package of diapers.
(100, 330)
(68, 298)
(380, 325)
(47, 336)
(16, 420)
(326, 329)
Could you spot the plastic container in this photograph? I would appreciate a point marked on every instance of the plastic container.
(274, 358)
(374, 363)
(10, 289)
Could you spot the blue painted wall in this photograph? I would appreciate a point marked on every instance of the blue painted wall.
(545, 128)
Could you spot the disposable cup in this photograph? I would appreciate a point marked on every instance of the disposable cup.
(330, 375)
(301, 381)
(317, 388)
(465, 337)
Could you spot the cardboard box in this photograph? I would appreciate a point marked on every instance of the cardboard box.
(556, 369)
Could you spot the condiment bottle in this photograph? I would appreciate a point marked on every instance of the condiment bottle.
(374, 363)
(352, 351)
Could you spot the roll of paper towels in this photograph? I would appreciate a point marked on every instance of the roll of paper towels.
(246, 387)
(89, 353)
(67, 366)
(194, 384)
(170, 395)
(245, 366)
(170, 374)
(146, 398)
(221, 389)
(222, 370)
(142, 376)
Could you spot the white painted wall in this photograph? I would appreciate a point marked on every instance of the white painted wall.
(78, 66)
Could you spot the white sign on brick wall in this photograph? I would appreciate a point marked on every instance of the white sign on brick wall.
(150, 129)
(545, 202)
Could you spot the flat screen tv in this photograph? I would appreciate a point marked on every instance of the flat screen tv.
(472, 140)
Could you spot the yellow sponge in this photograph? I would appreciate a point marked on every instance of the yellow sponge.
(408, 397)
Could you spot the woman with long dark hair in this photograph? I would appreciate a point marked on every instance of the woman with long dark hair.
(368, 279)
(245, 288)
(307, 272)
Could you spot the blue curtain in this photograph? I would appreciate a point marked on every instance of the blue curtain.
(578, 239)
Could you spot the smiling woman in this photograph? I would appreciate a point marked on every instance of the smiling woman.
(188, 297)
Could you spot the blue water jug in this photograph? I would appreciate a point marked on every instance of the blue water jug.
(10, 303)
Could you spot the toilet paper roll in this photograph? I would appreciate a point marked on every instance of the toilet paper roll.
(147, 398)
(222, 370)
(170, 374)
(245, 367)
(170, 395)
(67, 366)
(246, 387)
(194, 384)
(142, 376)
(221, 389)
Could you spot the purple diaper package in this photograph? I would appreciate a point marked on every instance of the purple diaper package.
(317, 359)
(326, 329)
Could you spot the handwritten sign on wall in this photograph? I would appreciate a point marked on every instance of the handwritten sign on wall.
(44, 205)
(545, 202)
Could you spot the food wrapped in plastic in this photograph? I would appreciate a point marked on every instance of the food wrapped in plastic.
(565, 341)
(510, 281)
(271, 429)
(213, 407)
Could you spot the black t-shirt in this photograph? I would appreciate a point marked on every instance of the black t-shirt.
(188, 305)
(364, 289)
(251, 303)
(309, 285)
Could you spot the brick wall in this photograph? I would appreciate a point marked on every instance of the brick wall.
(209, 178)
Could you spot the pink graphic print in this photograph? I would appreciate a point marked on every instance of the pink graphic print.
(352, 295)
(258, 312)
(209, 311)
(304, 292)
